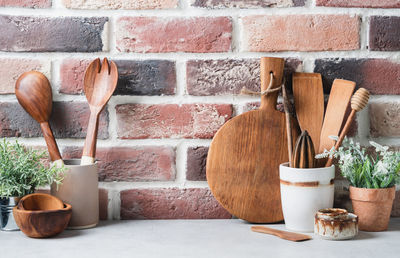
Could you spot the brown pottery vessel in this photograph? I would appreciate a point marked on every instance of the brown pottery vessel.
(373, 207)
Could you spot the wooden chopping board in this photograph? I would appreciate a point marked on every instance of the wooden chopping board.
(245, 154)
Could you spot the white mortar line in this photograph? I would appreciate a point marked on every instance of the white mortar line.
(182, 56)
(195, 12)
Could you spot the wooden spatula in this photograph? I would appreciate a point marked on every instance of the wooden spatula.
(309, 102)
(244, 156)
(33, 92)
(296, 237)
(339, 99)
(358, 102)
(99, 84)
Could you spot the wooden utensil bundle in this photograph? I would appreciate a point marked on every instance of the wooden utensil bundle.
(34, 93)
(308, 96)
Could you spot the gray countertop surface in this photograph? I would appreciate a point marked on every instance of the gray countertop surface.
(194, 238)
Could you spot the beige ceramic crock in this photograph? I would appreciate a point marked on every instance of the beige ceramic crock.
(80, 189)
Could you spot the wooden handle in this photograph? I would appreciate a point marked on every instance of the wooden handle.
(267, 230)
(288, 125)
(50, 142)
(89, 149)
(275, 66)
(280, 233)
(342, 135)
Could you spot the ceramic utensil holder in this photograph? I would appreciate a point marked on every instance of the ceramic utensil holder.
(303, 193)
(80, 189)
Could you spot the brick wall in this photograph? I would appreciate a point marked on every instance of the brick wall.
(182, 64)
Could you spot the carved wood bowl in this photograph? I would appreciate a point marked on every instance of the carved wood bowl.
(42, 215)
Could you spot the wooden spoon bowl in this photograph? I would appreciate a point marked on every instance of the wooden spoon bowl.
(40, 215)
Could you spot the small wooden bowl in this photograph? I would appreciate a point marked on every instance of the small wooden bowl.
(40, 202)
(40, 217)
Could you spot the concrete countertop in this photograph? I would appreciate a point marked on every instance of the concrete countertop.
(193, 238)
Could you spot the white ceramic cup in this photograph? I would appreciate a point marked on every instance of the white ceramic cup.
(303, 193)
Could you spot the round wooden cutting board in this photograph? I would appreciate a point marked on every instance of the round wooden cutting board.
(244, 156)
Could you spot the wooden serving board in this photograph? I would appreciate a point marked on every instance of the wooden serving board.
(245, 154)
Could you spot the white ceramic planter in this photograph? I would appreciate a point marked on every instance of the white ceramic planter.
(80, 189)
(303, 193)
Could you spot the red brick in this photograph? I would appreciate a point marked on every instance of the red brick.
(26, 3)
(247, 3)
(131, 164)
(379, 76)
(171, 203)
(12, 68)
(68, 120)
(140, 121)
(384, 33)
(147, 77)
(172, 34)
(196, 163)
(120, 4)
(300, 33)
(360, 3)
(384, 119)
(229, 76)
(103, 204)
(46, 34)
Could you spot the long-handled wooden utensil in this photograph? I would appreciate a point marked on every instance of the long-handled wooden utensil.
(339, 99)
(296, 237)
(244, 156)
(99, 84)
(33, 92)
(288, 124)
(309, 102)
(358, 102)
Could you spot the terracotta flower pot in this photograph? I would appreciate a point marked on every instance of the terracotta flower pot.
(373, 207)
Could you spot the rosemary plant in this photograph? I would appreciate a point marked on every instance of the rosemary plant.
(364, 171)
(22, 170)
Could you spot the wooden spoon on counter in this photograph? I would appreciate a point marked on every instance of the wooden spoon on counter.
(99, 84)
(33, 92)
(296, 237)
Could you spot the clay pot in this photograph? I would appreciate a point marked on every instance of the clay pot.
(373, 207)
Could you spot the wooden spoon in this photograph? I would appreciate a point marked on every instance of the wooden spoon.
(358, 102)
(33, 92)
(99, 84)
(309, 102)
(296, 237)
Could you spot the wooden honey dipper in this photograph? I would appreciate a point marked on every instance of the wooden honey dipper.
(358, 102)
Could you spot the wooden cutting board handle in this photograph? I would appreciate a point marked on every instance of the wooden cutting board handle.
(275, 66)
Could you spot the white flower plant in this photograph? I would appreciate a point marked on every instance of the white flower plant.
(361, 169)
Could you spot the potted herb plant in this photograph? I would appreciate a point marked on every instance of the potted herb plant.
(22, 170)
(372, 181)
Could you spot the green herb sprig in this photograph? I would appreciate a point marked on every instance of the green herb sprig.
(23, 169)
(362, 170)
